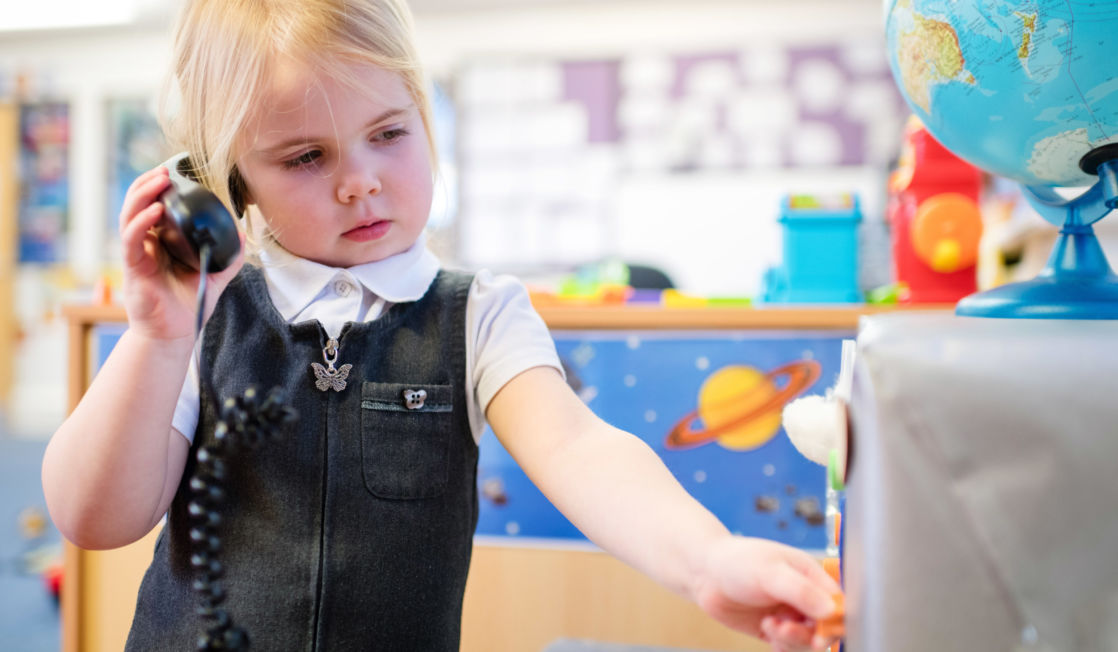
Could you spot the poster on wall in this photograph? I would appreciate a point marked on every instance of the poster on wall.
(44, 193)
(136, 145)
(710, 406)
(559, 156)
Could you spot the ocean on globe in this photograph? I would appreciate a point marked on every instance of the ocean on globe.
(1022, 89)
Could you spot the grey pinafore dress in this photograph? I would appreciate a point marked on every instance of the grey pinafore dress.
(352, 531)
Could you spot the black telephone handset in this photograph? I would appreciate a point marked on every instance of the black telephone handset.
(196, 226)
(194, 217)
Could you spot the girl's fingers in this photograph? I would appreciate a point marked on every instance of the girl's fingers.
(795, 634)
(787, 634)
(143, 192)
(788, 585)
(140, 180)
(135, 233)
(814, 572)
(784, 612)
(159, 169)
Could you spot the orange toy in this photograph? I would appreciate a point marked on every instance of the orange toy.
(834, 626)
(935, 220)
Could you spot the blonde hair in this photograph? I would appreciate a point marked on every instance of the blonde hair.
(224, 54)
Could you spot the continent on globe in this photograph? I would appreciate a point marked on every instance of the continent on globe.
(930, 54)
(1029, 21)
(1054, 154)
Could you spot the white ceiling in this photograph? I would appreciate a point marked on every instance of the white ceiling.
(65, 14)
(22, 17)
(421, 6)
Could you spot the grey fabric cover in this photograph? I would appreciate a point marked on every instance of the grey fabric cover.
(980, 505)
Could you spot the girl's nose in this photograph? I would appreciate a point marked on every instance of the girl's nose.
(357, 179)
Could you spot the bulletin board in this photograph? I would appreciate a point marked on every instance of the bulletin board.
(571, 160)
(659, 386)
(44, 160)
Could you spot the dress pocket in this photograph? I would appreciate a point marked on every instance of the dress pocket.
(405, 438)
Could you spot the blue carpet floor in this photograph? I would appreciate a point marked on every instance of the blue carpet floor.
(29, 618)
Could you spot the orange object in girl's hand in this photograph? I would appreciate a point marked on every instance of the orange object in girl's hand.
(833, 626)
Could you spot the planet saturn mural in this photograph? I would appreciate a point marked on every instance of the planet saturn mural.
(740, 406)
(709, 405)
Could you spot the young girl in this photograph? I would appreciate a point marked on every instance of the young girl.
(353, 531)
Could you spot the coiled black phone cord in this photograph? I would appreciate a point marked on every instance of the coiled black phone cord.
(245, 423)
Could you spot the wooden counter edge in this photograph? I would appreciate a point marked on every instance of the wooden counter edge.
(643, 317)
(800, 317)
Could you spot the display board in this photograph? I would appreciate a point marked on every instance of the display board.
(710, 405)
(44, 204)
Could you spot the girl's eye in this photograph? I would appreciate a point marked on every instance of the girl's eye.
(391, 135)
(302, 160)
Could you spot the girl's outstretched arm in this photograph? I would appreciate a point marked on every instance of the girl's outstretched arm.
(618, 492)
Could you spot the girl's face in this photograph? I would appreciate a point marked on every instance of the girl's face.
(341, 177)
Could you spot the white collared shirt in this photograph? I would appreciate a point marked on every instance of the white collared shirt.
(504, 335)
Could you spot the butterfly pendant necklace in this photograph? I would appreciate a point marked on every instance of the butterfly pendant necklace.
(327, 378)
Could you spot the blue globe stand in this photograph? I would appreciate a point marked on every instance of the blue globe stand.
(1077, 282)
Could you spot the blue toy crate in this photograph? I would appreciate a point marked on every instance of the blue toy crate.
(820, 263)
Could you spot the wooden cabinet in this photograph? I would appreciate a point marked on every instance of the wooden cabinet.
(520, 597)
(99, 587)
(9, 220)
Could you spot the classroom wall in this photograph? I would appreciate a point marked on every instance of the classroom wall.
(706, 218)
(713, 230)
(89, 66)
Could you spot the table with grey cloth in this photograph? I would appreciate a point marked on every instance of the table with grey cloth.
(980, 505)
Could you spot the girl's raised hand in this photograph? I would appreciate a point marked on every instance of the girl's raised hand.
(766, 589)
(159, 296)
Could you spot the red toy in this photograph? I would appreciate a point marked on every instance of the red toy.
(52, 577)
(934, 216)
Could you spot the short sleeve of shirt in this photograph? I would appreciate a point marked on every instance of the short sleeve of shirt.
(185, 419)
(504, 337)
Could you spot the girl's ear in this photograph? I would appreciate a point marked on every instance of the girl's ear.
(238, 191)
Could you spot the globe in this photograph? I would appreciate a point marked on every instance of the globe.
(1023, 89)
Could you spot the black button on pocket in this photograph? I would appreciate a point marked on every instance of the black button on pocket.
(405, 438)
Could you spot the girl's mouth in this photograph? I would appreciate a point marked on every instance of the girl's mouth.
(374, 231)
